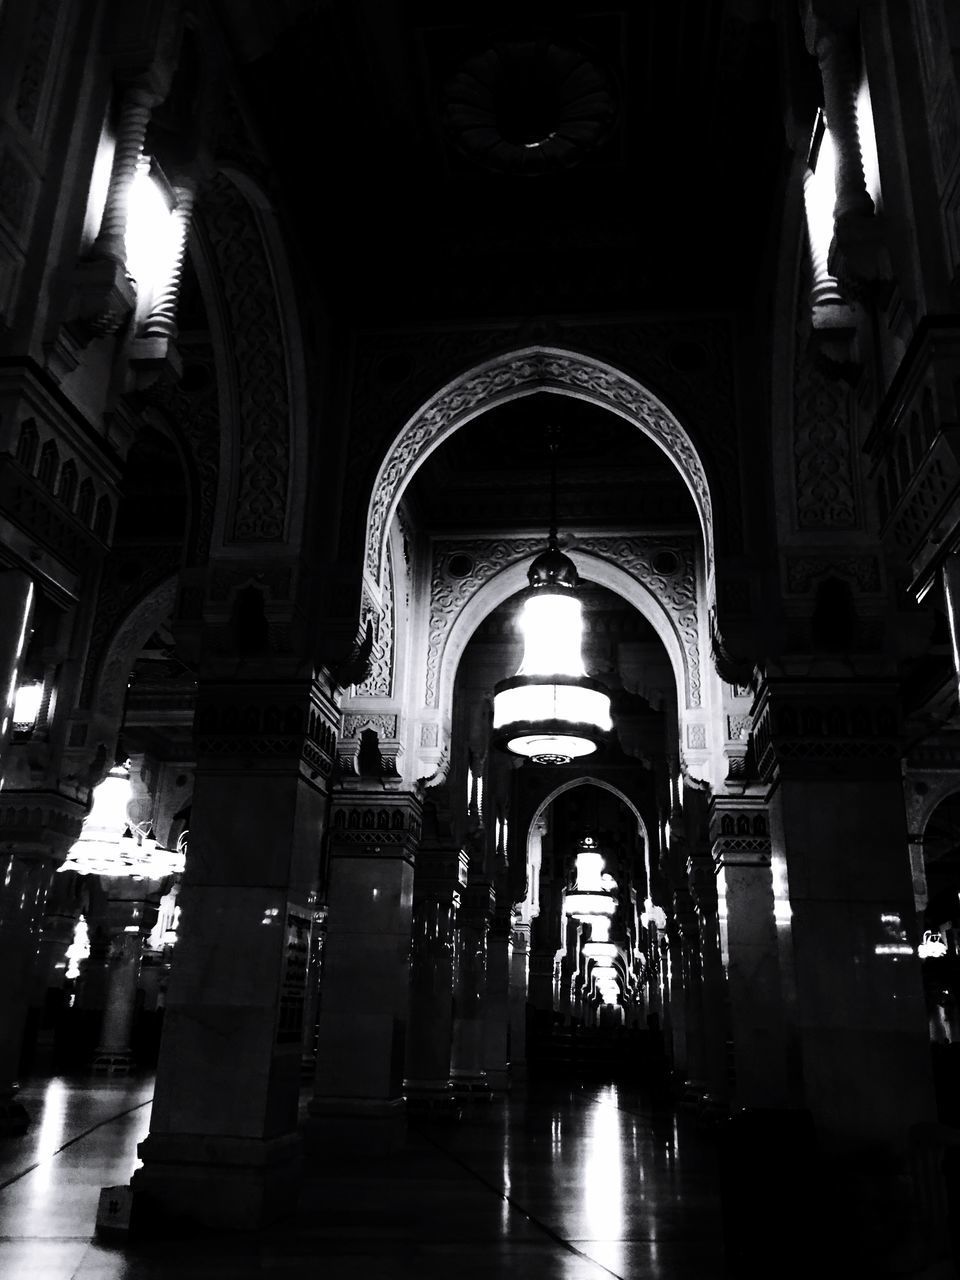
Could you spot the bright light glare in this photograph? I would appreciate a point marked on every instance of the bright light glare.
(151, 236)
(868, 143)
(820, 196)
(26, 708)
(552, 626)
(601, 951)
(535, 703)
(589, 904)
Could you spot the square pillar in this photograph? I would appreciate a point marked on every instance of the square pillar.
(223, 1148)
(364, 1001)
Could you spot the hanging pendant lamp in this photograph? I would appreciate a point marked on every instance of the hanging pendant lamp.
(551, 712)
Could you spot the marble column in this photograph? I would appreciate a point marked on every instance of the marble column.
(364, 1003)
(36, 830)
(741, 851)
(223, 1149)
(837, 53)
(473, 924)
(519, 982)
(675, 999)
(714, 996)
(130, 916)
(24, 882)
(439, 880)
(496, 1012)
(830, 751)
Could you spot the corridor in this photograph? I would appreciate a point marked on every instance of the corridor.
(559, 1182)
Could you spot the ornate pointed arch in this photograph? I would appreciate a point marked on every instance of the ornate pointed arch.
(509, 377)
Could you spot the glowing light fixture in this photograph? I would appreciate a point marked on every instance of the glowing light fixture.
(26, 707)
(110, 845)
(595, 892)
(551, 712)
(932, 947)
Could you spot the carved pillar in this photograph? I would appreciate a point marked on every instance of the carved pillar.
(131, 915)
(748, 925)
(838, 55)
(223, 1148)
(713, 985)
(439, 879)
(162, 320)
(496, 1013)
(689, 956)
(830, 752)
(364, 1003)
(519, 980)
(825, 288)
(135, 107)
(473, 925)
(675, 999)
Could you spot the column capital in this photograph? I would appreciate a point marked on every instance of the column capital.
(39, 824)
(375, 824)
(844, 728)
(276, 725)
(739, 831)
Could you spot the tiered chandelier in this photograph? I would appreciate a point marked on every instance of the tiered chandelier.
(109, 844)
(551, 712)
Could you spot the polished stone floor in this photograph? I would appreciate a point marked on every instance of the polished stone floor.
(560, 1182)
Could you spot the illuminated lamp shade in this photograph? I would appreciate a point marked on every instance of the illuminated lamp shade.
(594, 893)
(26, 707)
(108, 845)
(601, 952)
(551, 712)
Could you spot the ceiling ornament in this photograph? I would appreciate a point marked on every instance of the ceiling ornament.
(529, 107)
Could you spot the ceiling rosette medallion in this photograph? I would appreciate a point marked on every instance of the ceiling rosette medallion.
(529, 107)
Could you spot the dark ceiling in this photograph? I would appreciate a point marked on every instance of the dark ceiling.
(494, 473)
(485, 158)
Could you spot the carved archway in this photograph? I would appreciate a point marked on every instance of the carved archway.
(512, 376)
(455, 615)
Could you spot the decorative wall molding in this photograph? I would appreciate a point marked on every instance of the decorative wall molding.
(384, 725)
(805, 570)
(636, 556)
(824, 477)
(262, 461)
(676, 591)
(379, 680)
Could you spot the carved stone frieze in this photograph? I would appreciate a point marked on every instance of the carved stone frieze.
(520, 373)
(824, 729)
(449, 593)
(385, 726)
(638, 556)
(194, 414)
(641, 557)
(374, 824)
(262, 405)
(379, 679)
(805, 570)
(266, 723)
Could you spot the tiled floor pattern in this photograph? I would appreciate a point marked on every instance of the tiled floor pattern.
(581, 1183)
